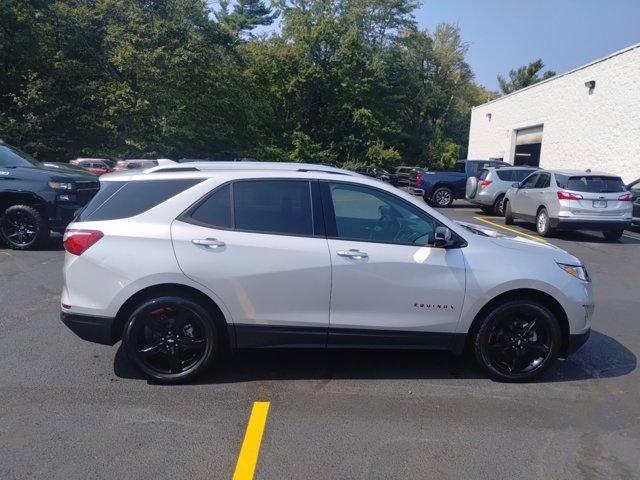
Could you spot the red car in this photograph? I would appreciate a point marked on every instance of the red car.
(98, 166)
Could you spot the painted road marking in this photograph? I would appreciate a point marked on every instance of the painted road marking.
(248, 457)
(532, 237)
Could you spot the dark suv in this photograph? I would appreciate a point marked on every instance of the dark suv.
(35, 199)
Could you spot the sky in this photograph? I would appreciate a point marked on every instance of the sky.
(505, 34)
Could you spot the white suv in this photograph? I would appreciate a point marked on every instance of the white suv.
(184, 263)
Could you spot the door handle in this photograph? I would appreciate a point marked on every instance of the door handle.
(353, 253)
(208, 242)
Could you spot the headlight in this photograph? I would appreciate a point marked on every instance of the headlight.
(578, 271)
(61, 185)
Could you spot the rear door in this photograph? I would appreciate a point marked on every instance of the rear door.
(390, 286)
(255, 244)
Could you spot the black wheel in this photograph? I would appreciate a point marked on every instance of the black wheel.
(508, 216)
(22, 227)
(171, 339)
(543, 223)
(498, 206)
(442, 197)
(613, 235)
(517, 340)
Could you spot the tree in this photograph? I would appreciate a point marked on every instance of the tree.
(524, 76)
(246, 15)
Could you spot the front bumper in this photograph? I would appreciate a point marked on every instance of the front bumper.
(90, 328)
(598, 225)
(576, 341)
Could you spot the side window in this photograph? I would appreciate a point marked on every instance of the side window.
(530, 181)
(273, 206)
(368, 214)
(459, 167)
(215, 211)
(635, 187)
(505, 175)
(519, 175)
(543, 181)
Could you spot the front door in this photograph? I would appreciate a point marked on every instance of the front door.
(521, 198)
(254, 245)
(390, 286)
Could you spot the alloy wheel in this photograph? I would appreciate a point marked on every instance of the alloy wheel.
(443, 197)
(542, 221)
(519, 344)
(20, 228)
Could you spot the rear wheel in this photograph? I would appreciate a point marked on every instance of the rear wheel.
(442, 197)
(613, 235)
(543, 223)
(508, 216)
(498, 206)
(171, 339)
(517, 340)
(23, 227)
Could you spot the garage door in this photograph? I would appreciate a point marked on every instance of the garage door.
(528, 146)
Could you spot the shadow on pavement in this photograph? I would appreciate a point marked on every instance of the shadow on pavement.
(601, 357)
(580, 235)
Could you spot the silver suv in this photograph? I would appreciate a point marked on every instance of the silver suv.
(571, 200)
(189, 261)
(488, 190)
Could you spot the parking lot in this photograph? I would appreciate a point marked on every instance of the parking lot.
(76, 410)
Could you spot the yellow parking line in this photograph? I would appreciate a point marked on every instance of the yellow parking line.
(248, 457)
(532, 237)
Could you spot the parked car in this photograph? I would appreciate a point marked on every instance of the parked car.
(64, 166)
(401, 176)
(440, 189)
(634, 188)
(488, 190)
(139, 164)
(375, 172)
(99, 166)
(207, 258)
(35, 199)
(571, 200)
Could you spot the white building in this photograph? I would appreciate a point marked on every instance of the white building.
(586, 118)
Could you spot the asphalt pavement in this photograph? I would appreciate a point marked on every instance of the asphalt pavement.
(75, 410)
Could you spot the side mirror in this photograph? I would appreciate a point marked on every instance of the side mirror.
(515, 185)
(442, 237)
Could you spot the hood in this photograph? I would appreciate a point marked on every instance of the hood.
(60, 173)
(523, 244)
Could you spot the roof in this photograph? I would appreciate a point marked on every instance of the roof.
(556, 77)
(582, 173)
(220, 167)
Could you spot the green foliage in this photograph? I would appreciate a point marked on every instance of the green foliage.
(524, 76)
(346, 82)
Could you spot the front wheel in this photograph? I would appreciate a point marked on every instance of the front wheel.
(170, 339)
(498, 206)
(442, 197)
(22, 227)
(517, 340)
(508, 216)
(613, 235)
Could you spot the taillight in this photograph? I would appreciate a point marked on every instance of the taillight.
(568, 196)
(418, 178)
(627, 197)
(485, 183)
(78, 241)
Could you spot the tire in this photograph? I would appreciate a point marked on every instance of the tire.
(498, 206)
(510, 347)
(471, 187)
(508, 216)
(22, 227)
(613, 235)
(171, 339)
(442, 197)
(543, 223)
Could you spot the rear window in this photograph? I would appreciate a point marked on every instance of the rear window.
(590, 183)
(484, 174)
(117, 200)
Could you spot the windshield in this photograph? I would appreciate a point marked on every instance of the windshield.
(12, 157)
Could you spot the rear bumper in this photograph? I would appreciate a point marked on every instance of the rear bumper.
(599, 225)
(576, 341)
(90, 328)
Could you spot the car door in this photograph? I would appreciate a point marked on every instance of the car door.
(390, 286)
(540, 194)
(255, 245)
(520, 198)
(634, 188)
